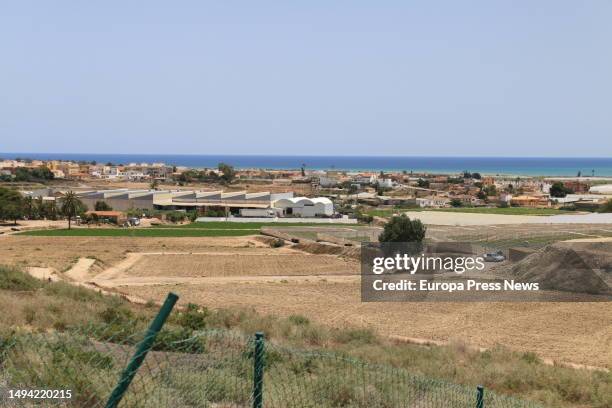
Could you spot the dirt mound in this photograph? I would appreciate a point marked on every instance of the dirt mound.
(566, 267)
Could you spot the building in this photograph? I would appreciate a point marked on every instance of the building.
(329, 181)
(236, 203)
(601, 189)
(305, 207)
(124, 199)
(530, 201)
(432, 201)
(385, 183)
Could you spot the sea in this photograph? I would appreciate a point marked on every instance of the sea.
(526, 166)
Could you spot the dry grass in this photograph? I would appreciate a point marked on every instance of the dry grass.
(572, 332)
(242, 264)
(61, 252)
(44, 306)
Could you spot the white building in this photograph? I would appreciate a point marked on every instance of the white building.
(306, 207)
(431, 201)
(385, 183)
(601, 189)
(328, 181)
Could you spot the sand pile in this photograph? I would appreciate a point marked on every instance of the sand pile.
(567, 267)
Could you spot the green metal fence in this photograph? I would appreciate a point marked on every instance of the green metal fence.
(212, 368)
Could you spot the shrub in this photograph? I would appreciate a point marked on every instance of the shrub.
(67, 290)
(176, 216)
(102, 206)
(178, 340)
(194, 317)
(277, 243)
(607, 207)
(455, 202)
(299, 320)
(14, 279)
(558, 189)
(116, 314)
(358, 336)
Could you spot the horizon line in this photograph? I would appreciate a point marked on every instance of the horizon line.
(309, 155)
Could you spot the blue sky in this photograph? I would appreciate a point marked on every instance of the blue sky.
(477, 78)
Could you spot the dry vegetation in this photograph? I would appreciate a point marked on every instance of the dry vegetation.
(252, 286)
(243, 263)
(61, 252)
(50, 307)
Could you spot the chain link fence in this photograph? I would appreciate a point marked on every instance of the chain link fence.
(106, 367)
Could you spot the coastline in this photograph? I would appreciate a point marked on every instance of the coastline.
(544, 167)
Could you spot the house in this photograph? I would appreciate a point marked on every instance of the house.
(305, 207)
(328, 181)
(385, 183)
(530, 201)
(365, 179)
(432, 201)
(577, 186)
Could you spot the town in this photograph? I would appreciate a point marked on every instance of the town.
(117, 192)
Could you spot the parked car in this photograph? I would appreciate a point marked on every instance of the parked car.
(494, 257)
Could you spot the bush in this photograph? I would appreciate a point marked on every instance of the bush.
(194, 317)
(558, 189)
(14, 279)
(176, 216)
(299, 320)
(607, 207)
(277, 243)
(66, 290)
(102, 206)
(179, 340)
(355, 336)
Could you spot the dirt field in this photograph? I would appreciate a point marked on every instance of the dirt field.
(260, 263)
(571, 332)
(62, 252)
(244, 272)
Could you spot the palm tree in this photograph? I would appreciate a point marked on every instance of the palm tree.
(71, 206)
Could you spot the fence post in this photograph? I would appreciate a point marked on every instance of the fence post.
(258, 370)
(141, 352)
(480, 396)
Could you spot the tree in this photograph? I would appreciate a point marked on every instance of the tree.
(154, 184)
(227, 173)
(490, 190)
(71, 206)
(455, 202)
(303, 169)
(403, 229)
(423, 183)
(102, 206)
(37, 174)
(559, 190)
(11, 204)
(29, 208)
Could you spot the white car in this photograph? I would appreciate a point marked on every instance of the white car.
(494, 257)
